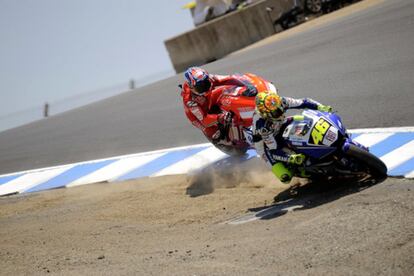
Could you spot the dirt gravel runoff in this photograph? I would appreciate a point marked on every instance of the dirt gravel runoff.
(176, 226)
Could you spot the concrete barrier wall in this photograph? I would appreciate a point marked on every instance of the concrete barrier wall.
(226, 34)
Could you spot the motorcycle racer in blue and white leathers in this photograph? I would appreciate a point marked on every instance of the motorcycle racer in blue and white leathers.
(268, 119)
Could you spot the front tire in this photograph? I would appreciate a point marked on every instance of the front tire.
(372, 164)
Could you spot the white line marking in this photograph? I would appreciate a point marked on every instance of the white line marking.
(30, 180)
(131, 161)
(382, 130)
(193, 162)
(409, 175)
(115, 170)
(362, 130)
(371, 139)
(109, 158)
(399, 156)
(281, 208)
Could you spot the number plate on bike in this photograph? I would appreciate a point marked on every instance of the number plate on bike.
(321, 133)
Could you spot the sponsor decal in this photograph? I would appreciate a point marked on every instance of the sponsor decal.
(196, 111)
(191, 104)
(331, 136)
(319, 131)
(281, 158)
(298, 130)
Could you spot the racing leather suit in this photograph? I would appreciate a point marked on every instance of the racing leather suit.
(265, 132)
(201, 111)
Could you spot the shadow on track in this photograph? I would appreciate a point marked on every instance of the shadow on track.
(230, 172)
(310, 195)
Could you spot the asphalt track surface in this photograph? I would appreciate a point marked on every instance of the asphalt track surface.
(361, 64)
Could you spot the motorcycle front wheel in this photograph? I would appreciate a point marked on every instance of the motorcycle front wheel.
(370, 164)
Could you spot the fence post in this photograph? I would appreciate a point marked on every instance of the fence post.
(46, 110)
(131, 84)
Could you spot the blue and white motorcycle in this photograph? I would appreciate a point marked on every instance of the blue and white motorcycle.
(331, 154)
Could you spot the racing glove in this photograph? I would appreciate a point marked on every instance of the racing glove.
(296, 159)
(324, 108)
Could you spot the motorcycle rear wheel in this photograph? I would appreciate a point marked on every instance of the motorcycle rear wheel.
(230, 150)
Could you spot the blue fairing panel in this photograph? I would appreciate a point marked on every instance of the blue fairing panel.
(315, 152)
(337, 122)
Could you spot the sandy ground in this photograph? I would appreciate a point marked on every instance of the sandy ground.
(176, 226)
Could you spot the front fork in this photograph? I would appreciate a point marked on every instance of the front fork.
(348, 141)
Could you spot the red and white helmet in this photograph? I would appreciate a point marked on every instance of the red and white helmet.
(198, 80)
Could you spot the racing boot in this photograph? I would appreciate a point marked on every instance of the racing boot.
(283, 173)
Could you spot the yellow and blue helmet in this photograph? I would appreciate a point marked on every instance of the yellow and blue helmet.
(269, 105)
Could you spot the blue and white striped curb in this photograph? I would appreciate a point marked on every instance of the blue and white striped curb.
(395, 146)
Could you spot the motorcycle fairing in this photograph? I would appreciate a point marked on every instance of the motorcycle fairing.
(315, 135)
(315, 152)
(332, 118)
(248, 134)
(246, 112)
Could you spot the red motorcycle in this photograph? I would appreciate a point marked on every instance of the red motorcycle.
(239, 102)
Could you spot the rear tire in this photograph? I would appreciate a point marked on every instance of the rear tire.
(230, 150)
(374, 166)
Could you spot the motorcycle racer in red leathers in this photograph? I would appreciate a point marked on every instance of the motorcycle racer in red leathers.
(200, 93)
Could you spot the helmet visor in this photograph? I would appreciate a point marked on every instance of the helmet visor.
(277, 113)
(202, 87)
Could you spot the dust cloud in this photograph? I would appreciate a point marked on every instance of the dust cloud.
(251, 174)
